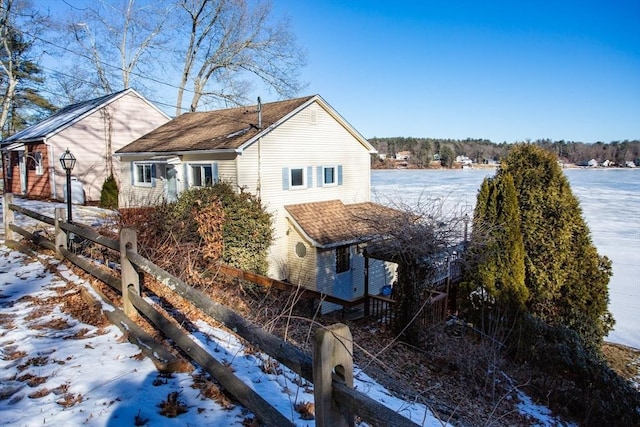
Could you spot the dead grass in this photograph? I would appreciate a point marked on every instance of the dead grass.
(210, 390)
(11, 352)
(42, 392)
(624, 360)
(32, 380)
(33, 361)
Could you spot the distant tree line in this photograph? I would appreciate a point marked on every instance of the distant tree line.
(424, 151)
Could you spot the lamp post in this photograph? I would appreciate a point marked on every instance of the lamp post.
(68, 161)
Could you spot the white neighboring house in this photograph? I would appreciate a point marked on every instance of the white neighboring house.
(307, 164)
(92, 130)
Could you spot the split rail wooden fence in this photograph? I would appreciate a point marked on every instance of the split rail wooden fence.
(330, 368)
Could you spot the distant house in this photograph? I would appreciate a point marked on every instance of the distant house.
(464, 161)
(629, 164)
(403, 155)
(92, 130)
(308, 165)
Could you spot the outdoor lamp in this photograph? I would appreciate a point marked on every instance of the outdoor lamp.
(68, 161)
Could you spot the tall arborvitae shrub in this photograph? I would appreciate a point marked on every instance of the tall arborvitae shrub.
(497, 273)
(566, 277)
(109, 193)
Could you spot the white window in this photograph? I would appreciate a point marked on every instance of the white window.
(143, 174)
(37, 157)
(297, 178)
(204, 175)
(329, 175)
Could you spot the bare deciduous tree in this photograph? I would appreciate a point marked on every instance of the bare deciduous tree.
(419, 239)
(120, 38)
(230, 40)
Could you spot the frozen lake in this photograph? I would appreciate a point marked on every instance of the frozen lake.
(610, 201)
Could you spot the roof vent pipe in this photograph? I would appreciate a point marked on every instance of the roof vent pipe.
(259, 114)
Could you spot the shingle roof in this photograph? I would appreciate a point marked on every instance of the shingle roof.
(332, 223)
(61, 119)
(213, 130)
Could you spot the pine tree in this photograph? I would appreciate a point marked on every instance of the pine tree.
(20, 76)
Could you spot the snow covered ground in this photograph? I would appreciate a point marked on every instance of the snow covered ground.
(58, 371)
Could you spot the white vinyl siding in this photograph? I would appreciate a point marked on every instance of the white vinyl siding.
(300, 270)
(380, 273)
(131, 195)
(299, 143)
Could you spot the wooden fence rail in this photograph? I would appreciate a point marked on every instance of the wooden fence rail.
(339, 400)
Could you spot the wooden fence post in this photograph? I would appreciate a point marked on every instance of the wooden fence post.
(8, 217)
(60, 234)
(128, 241)
(332, 359)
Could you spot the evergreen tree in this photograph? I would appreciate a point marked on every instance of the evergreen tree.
(566, 278)
(497, 247)
(109, 193)
(20, 76)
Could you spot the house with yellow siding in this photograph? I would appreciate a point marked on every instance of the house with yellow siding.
(306, 163)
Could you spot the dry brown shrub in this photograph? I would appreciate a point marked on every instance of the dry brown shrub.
(210, 220)
(172, 407)
(61, 389)
(306, 410)
(69, 399)
(252, 422)
(139, 420)
(271, 366)
(210, 390)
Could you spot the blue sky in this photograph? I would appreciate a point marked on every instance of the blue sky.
(501, 70)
